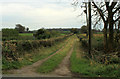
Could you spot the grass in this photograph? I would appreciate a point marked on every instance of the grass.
(26, 34)
(55, 60)
(62, 34)
(32, 56)
(90, 68)
(29, 36)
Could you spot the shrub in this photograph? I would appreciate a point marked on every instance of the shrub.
(14, 48)
(9, 34)
(84, 43)
(42, 34)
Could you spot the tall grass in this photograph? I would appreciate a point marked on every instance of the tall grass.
(89, 68)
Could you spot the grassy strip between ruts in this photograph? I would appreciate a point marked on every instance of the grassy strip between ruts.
(55, 60)
(32, 56)
(87, 68)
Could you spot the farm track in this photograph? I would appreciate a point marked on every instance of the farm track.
(63, 68)
(30, 71)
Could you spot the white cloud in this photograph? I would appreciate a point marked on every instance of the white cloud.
(34, 14)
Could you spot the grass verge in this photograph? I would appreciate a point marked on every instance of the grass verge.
(89, 68)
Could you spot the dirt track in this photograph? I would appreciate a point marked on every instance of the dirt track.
(30, 71)
(63, 68)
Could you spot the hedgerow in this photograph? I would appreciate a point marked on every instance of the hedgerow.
(15, 48)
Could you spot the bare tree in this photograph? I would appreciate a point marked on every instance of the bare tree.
(106, 11)
(108, 19)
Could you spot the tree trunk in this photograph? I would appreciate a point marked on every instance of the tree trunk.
(111, 37)
(86, 19)
(119, 25)
(111, 32)
(105, 37)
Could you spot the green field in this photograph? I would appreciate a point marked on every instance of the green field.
(26, 34)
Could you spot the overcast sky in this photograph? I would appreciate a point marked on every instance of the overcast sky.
(35, 14)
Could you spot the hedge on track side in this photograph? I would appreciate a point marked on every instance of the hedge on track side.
(16, 48)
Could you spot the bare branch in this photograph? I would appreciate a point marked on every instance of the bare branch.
(107, 5)
(116, 10)
(113, 4)
(80, 14)
(97, 22)
(100, 11)
(117, 19)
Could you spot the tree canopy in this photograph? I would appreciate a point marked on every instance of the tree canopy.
(20, 28)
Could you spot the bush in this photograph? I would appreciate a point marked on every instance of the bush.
(42, 34)
(114, 59)
(97, 43)
(86, 68)
(9, 34)
(84, 43)
(46, 34)
(14, 48)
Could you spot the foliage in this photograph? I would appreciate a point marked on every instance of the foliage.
(20, 28)
(84, 29)
(97, 51)
(27, 29)
(16, 52)
(10, 65)
(90, 68)
(12, 34)
(46, 34)
(29, 37)
(14, 48)
(83, 67)
(54, 33)
(42, 34)
(9, 34)
(97, 42)
(74, 30)
(117, 36)
(30, 57)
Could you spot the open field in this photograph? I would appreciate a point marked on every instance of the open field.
(26, 34)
